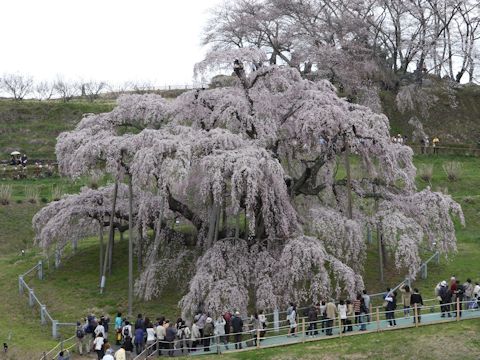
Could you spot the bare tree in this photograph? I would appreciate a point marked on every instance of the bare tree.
(66, 90)
(16, 85)
(44, 90)
(92, 89)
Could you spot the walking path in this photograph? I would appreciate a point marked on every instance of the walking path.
(429, 315)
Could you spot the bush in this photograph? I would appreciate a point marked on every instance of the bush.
(5, 194)
(31, 194)
(94, 180)
(57, 193)
(453, 169)
(44, 200)
(425, 172)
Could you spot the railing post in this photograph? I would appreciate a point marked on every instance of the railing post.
(276, 321)
(415, 312)
(54, 329)
(31, 300)
(43, 309)
(303, 330)
(407, 281)
(437, 257)
(258, 338)
(424, 270)
(20, 284)
(340, 326)
(378, 320)
(40, 270)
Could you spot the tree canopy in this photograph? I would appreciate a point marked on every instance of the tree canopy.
(255, 169)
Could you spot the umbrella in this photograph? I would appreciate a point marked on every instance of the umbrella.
(15, 153)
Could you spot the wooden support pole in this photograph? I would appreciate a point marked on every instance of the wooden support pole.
(340, 326)
(303, 329)
(378, 319)
(258, 338)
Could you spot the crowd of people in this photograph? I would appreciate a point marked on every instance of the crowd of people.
(424, 143)
(164, 336)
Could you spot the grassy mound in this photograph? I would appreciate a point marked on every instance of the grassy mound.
(71, 291)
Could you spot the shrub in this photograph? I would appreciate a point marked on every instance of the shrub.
(95, 180)
(453, 169)
(425, 172)
(57, 193)
(32, 194)
(44, 200)
(5, 194)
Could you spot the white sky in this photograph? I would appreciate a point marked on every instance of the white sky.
(108, 40)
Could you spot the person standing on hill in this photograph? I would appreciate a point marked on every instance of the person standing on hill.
(391, 300)
(170, 336)
(406, 297)
(445, 297)
(292, 319)
(139, 337)
(342, 313)
(312, 321)
(435, 143)
(98, 346)
(80, 338)
(366, 300)
(416, 299)
(330, 313)
(228, 323)
(121, 354)
(118, 328)
(468, 291)
(237, 328)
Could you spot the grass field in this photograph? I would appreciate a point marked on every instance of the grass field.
(72, 291)
(32, 126)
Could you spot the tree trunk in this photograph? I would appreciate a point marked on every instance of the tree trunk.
(212, 225)
(380, 252)
(130, 246)
(140, 249)
(108, 252)
(349, 180)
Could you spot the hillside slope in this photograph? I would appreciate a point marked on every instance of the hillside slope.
(32, 126)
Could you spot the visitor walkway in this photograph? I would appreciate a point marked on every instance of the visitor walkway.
(430, 314)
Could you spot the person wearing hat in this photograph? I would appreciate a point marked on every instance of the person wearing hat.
(237, 327)
(208, 331)
(108, 355)
(445, 297)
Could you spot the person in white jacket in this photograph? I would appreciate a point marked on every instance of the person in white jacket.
(196, 336)
(219, 331)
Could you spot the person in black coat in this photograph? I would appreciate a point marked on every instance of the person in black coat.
(312, 321)
(237, 327)
(416, 298)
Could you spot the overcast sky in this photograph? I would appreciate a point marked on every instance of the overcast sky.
(110, 40)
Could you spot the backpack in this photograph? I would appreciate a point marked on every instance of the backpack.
(80, 333)
(180, 333)
(125, 332)
(187, 333)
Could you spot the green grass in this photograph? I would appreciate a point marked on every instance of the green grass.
(453, 340)
(72, 291)
(32, 126)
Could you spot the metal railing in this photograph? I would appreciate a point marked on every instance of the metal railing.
(33, 300)
(378, 319)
